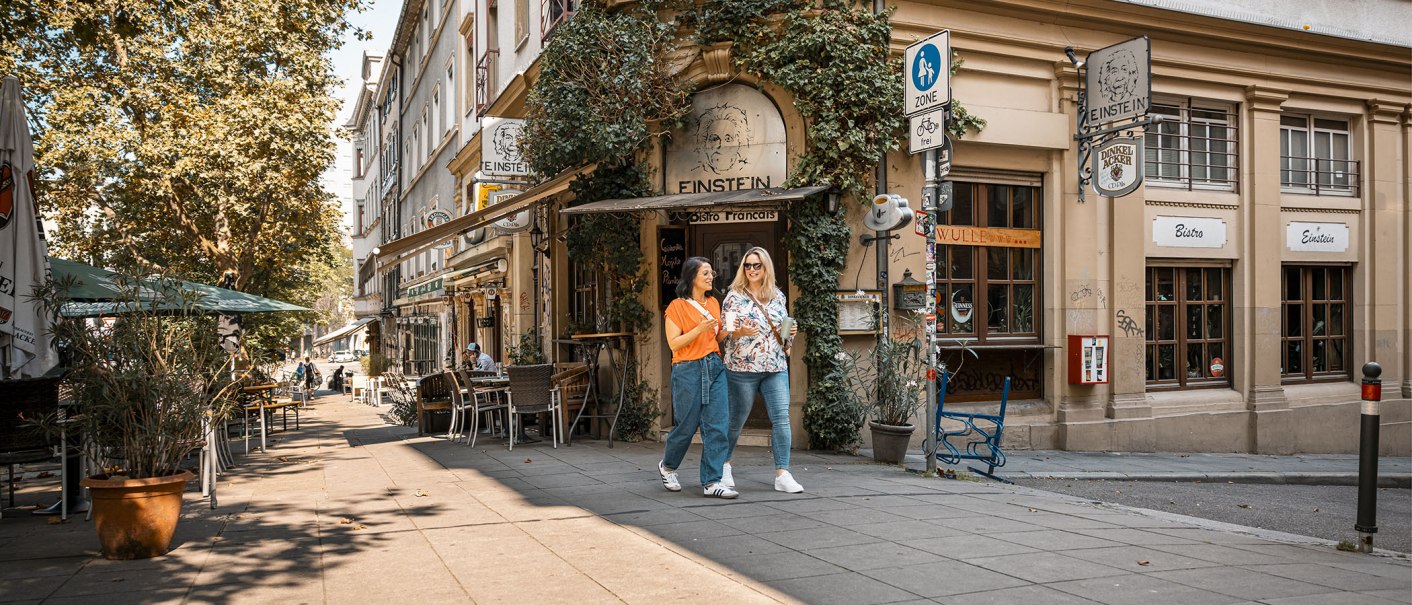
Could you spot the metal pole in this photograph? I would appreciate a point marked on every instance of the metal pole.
(929, 204)
(1367, 522)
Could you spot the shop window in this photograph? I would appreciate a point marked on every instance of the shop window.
(1193, 147)
(1188, 333)
(1001, 283)
(1316, 156)
(1315, 323)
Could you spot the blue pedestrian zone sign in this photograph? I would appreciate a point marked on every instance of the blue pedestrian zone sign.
(928, 75)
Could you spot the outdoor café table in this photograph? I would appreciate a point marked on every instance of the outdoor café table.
(263, 394)
(591, 345)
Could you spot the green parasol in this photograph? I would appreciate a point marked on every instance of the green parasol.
(92, 291)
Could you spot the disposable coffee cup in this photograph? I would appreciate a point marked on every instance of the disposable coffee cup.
(730, 321)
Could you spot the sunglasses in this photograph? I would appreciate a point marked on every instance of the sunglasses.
(754, 266)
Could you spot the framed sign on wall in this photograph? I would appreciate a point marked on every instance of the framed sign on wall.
(858, 311)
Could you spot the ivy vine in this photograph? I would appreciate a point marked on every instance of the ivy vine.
(606, 90)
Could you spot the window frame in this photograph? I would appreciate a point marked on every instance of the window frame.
(1307, 338)
(1184, 117)
(1308, 133)
(980, 279)
(1181, 342)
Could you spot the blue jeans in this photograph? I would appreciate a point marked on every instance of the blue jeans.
(774, 388)
(699, 401)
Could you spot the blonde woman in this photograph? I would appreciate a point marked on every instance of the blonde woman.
(757, 359)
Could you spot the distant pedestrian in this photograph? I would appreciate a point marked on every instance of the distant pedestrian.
(698, 380)
(757, 360)
(308, 373)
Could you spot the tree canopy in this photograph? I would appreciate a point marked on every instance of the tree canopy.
(186, 134)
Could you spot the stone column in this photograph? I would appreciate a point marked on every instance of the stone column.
(1384, 244)
(1256, 335)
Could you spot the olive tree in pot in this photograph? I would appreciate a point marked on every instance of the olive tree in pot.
(890, 381)
(146, 381)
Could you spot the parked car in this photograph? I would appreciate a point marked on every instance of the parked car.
(342, 357)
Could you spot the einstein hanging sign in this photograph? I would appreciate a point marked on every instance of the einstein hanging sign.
(1117, 166)
(733, 139)
(500, 147)
(1119, 81)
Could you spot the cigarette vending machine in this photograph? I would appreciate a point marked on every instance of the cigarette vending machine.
(1088, 359)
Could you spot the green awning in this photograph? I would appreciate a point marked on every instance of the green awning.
(93, 292)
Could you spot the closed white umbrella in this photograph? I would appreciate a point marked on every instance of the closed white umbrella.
(25, 343)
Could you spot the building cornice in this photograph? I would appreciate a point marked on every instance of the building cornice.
(1266, 99)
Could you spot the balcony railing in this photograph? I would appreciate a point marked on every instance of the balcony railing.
(1194, 152)
(1320, 176)
(554, 12)
(485, 79)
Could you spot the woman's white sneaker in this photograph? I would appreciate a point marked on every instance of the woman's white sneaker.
(727, 479)
(716, 490)
(669, 478)
(785, 483)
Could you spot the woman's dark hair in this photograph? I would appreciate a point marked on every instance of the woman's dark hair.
(689, 270)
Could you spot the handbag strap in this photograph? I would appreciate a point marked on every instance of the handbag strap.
(773, 329)
(702, 309)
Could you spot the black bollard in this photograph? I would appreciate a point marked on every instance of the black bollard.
(1367, 522)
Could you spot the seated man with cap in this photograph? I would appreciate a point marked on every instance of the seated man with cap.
(479, 360)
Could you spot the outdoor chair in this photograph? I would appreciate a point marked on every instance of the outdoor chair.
(532, 392)
(479, 400)
(22, 400)
(433, 398)
(571, 382)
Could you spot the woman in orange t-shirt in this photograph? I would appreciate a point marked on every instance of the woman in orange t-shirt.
(698, 380)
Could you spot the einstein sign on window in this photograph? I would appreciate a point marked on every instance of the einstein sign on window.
(1119, 81)
(734, 139)
(500, 147)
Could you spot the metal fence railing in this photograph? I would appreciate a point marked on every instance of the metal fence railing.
(1320, 176)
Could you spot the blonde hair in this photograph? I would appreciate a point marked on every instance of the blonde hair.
(741, 283)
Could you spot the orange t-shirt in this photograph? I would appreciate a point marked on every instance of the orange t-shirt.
(685, 316)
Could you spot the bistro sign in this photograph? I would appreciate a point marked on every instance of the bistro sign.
(1188, 232)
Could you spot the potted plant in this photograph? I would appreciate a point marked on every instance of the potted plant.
(146, 380)
(890, 382)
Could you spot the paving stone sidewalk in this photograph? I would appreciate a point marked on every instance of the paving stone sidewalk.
(351, 510)
(1304, 469)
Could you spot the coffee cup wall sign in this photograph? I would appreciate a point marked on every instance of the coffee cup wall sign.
(1117, 166)
(961, 306)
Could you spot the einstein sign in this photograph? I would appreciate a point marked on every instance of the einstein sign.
(1119, 81)
(500, 150)
(734, 139)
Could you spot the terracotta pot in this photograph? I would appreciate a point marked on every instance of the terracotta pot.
(136, 517)
(890, 441)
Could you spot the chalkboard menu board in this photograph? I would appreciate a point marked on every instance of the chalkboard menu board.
(671, 254)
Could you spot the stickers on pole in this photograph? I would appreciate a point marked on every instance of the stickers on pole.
(1117, 166)
(928, 75)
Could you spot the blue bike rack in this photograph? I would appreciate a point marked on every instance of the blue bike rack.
(981, 442)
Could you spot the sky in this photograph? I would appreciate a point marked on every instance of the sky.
(380, 20)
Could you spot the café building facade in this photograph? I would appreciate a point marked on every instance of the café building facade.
(1239, 289)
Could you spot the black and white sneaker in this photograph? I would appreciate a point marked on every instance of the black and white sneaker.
(669, 478)
(719, 490)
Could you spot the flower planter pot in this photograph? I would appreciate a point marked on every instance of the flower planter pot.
(136, 517)
(890, 441)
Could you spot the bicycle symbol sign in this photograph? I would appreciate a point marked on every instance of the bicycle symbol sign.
(928, 74)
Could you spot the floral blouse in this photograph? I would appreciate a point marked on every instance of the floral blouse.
(759, 353)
